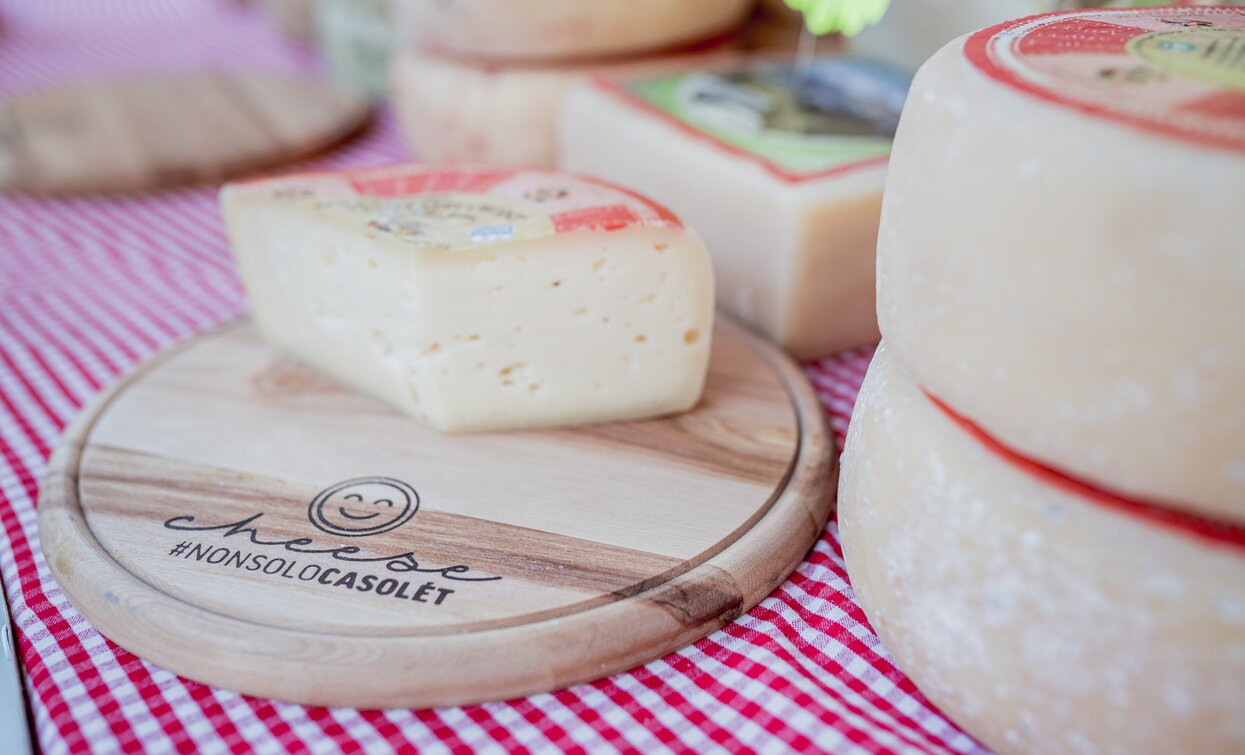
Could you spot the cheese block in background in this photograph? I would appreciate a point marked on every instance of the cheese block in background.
(561, 30)
(1061, 255)
(455, 110)
(356, 40)
(1039, 619)
(479, 298)
(786, 196)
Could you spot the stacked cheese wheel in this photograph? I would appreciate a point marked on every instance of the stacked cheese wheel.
(482, 81)
(1043, 493)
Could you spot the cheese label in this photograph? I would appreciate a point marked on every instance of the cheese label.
(1179, 72)
(837, 116)
(461, 207)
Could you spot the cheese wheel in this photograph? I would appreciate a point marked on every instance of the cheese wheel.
(1035, 617)
(456, 111)
(479, 298)
(787, 196)
(1061, 255)
(560, 30)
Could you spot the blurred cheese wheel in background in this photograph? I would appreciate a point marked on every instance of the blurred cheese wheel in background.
(1039, 619)
(785, 191)
(552, 30)
(452, 110)
(1061, 257)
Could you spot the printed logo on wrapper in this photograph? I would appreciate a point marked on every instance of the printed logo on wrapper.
(466, 207)
(837, 117)
(1179, 72)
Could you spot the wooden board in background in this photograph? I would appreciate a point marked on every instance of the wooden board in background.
(209, 512)
(157, 131)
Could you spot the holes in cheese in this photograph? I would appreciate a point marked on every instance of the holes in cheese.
(437, 299)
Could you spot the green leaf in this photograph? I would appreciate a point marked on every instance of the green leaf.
(847, 17)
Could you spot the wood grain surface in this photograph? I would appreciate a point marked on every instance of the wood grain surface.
(157, 131)
(228, 514)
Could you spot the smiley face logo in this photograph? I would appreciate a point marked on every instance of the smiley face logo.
(363, 506)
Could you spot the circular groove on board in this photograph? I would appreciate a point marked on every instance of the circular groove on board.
(417, 568)
(154, 131)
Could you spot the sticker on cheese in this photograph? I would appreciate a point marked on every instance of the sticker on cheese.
(1034, 617)
(479, 298)
(454, 110)
(562, 30)
(785, 182)
(1060, 257)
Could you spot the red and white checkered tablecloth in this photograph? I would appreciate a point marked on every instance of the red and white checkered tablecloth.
(91, 286)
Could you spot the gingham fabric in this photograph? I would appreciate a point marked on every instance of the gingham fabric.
(89, 287)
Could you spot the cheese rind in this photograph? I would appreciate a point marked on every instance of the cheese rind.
(453, 110)
(561, 30)
(1063, 264)
(787, 204)
(479, 298)
(1035, 618)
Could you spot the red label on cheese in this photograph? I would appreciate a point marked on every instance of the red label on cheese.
(1179, 72)
(456, 207)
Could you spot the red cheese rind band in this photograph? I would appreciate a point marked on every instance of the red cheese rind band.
(1210, 530)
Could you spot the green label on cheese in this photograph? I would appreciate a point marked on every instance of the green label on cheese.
(843, 114)
(1213, 56)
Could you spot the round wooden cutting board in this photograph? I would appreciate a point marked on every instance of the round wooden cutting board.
(228, 514)
(156, 131)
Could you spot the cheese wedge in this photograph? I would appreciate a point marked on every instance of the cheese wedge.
(787, 196)
(1039, 619)
(479, 298)
(1061, 255)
